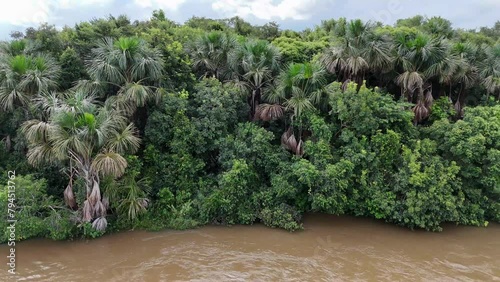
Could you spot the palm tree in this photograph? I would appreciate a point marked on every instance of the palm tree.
(253, 66)
(301, 87)
(361, 50)
(90, 139)
(419, 59)
(16, 47)
(465, 75)
(127, 195)
(128, 66)
(22, 77)
(490, 69)
(210, 53)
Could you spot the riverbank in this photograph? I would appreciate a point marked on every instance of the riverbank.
(329, 248)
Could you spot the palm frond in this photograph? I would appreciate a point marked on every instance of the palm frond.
(109, 163)
(125, 141)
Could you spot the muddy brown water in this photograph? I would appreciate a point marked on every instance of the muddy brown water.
(329, 249)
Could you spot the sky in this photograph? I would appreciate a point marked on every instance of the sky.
(292, 14)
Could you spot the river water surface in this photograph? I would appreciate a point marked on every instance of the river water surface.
(329, 249)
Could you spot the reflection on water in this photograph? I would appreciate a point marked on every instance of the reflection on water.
(329, 249)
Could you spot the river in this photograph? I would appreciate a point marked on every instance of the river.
(329, 249)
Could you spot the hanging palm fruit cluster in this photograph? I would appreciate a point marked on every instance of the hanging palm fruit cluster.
(267, 112)
(289, 142)
(422, 109)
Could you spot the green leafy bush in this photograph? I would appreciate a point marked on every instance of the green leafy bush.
(36, 214)
(282, 216)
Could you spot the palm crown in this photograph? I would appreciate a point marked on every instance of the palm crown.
(126, 64)
(23, 76)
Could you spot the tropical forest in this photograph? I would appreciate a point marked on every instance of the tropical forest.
(113, 125)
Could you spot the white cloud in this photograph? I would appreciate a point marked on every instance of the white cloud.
(19, 14)
(29, 12)
(71, 4)
(162, 4)
(265, 9)
(489, 3)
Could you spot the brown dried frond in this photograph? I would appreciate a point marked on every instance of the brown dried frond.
(69, 197)
(284, 138)
(459, 109)
(299, 151)
(105, 202)
(8, 142)
(100, 224)
(421, 112)
(292, 142)
(87, 211)
(95, 195)
(144, 203)
(99, 209)
(345, 84)
(428, 99)
(267, 112)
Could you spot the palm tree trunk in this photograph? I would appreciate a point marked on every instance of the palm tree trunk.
(69, 195)
(254, 102)
(87, 175)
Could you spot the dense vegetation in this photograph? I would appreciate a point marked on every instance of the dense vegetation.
(114, 125)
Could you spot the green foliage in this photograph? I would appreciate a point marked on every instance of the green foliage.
(270, 31)
(89, 232)
(215, 110)
(128, 196)
(330, 193)
(206, 24)
(229, 204)
(172, 141)
(254, 145)
(177, 64)
(36, 214)
(211, 98)
(442, 109)
(435, 25)
(71, 68)
(415, 21)
(430, 188)
(368, 111)
(296, 50)
(46, 38)
(282, 216)
(473, 143)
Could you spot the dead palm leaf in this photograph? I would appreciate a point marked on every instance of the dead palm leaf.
(421, 112)
(144, 202)
(299, 151)
(87, 211)
(95, 195)
(284, 138)
(105, 202)
(267, 112)
(100, 224)
(292, 142)
(69, 197)
(459, 109)
(428, 99)
(99, 209)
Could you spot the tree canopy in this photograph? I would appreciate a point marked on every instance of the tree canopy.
(116, 124)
